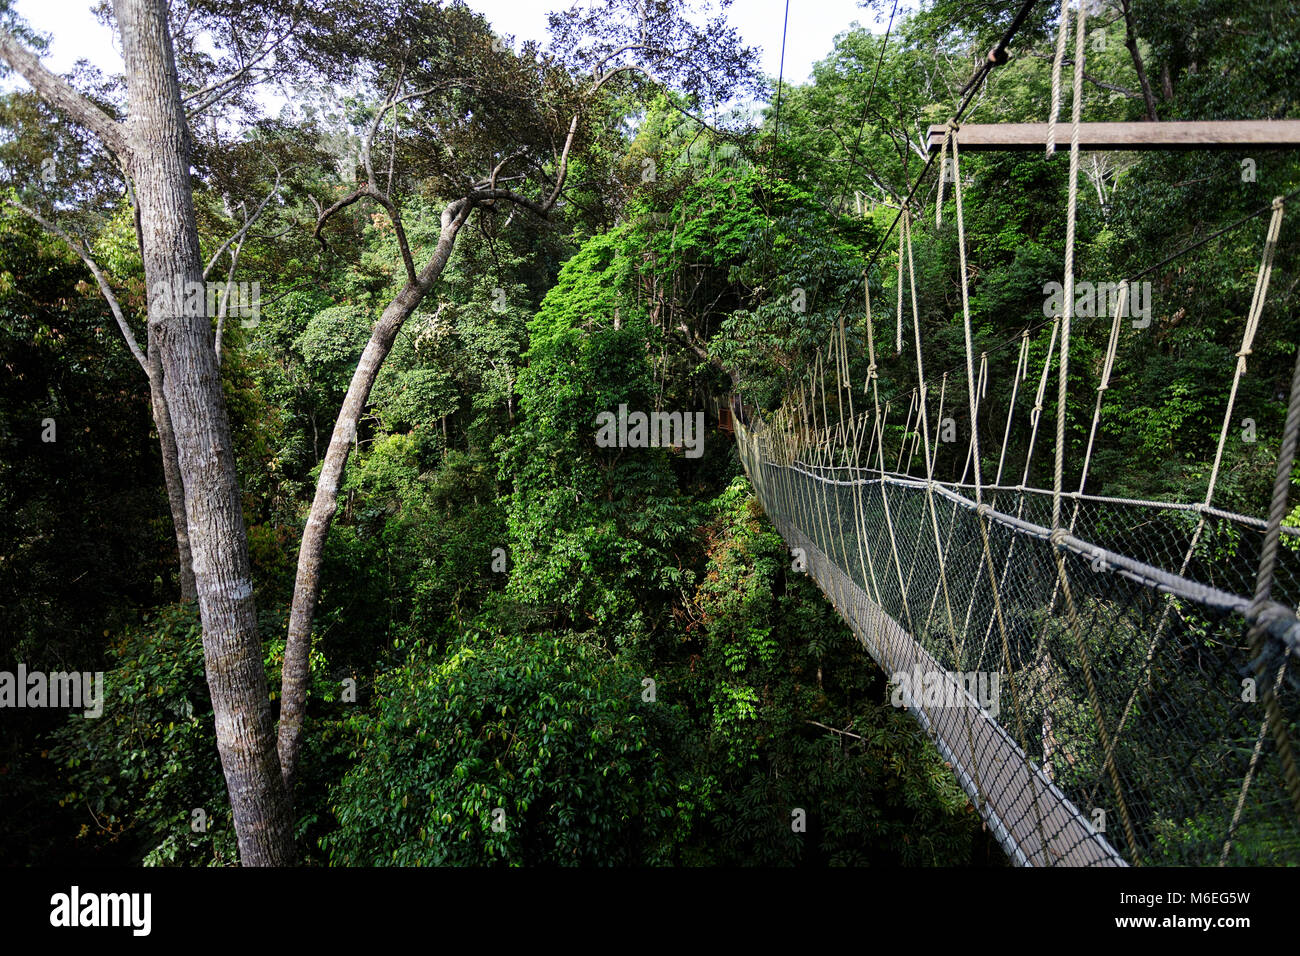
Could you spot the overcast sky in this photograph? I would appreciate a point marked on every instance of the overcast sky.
(812, 29)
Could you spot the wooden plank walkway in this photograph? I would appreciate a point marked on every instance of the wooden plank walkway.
(1034, 821)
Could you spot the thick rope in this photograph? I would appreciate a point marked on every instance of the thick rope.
(1264, 586)
(904, 218)
(983, 524)
(948, 133)
(965, 311)
(1059, 531)
(864, 549)
(1062, 30)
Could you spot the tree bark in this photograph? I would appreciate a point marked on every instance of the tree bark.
(162, 419)
(158, 144)
(293, 691)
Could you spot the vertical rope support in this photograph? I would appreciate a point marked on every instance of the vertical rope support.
(1253, 317)
(965, 310)
(1108, 366)
(907, 426)
(902, 240)
(841, 383)
(1035, 415)
(1022, 370)
(1062, 31)
(864, 542)
(1248, 338)
(1058, 531)
(982, 508)
(948, 134)
(1264, 587)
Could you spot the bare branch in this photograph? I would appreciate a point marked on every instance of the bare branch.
(225, 296)
(215, 90)
(368, 191)
(492, 179)
(1100, 84)
(99, 278)
(248, 224)
(842, 733)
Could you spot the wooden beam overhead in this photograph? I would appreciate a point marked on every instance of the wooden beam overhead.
(1234, 134)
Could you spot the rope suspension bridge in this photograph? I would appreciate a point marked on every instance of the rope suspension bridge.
(1110, 678)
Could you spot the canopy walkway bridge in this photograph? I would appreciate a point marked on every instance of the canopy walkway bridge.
(1122, 729)
(1111, 679)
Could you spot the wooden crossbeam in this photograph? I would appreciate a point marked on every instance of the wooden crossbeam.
(1235, 134)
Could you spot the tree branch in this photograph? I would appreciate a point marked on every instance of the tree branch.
(225, 298)
(99, 278)
(217, 89)
(248, 224)
(1130, 41)
(1100, 84)
(59, 93)
(842, 733)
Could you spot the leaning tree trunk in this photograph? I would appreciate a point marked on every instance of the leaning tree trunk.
(162, 419)
(159, 149)
(293, 690)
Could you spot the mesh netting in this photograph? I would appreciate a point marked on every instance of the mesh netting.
(1099, 694)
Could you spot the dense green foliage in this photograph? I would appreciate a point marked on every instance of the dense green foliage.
(609, 646)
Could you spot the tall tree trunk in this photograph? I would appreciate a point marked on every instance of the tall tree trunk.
(293, 691)
(162, 419)
(159, 150)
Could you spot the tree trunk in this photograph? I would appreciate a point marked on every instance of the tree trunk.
(162, 419)
(160, 165)
(293, 690)
(1130, 41)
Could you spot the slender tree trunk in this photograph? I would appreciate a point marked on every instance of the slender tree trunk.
(293, 691)
(1131, 41)
(160, 166)
(162, 419)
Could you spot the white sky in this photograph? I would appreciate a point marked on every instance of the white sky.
(812, 29)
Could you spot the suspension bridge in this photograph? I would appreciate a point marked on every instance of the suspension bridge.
(1146, 703)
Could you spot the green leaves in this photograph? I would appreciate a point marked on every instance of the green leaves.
(549, 731)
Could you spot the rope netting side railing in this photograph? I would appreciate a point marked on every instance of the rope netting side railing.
(1190, 743)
